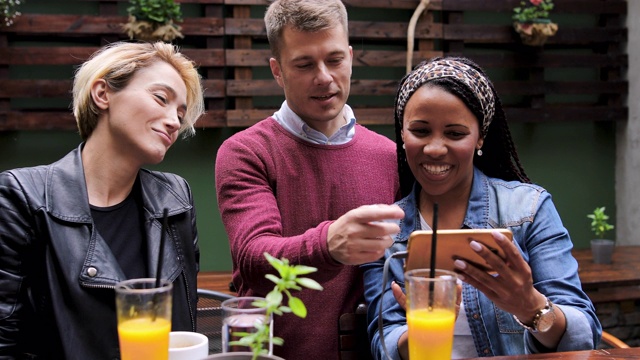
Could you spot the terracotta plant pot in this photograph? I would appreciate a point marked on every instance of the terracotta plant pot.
(240, 356)
(535, 33)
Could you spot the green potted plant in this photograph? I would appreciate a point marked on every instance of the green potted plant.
(601, 248)
(153, 20)
(531, 21)
(274, 303)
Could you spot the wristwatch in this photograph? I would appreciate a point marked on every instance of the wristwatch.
(543, 320)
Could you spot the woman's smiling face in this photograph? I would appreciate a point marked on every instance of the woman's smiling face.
(440, 135)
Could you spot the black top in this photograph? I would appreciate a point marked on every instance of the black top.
(121, 227)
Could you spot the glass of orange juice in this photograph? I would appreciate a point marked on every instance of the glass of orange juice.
(431, 304)
(144, 318)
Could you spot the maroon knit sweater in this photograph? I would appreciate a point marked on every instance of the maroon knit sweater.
(279, 194)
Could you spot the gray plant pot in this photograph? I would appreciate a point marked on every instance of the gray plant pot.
(240, 356)
(602, 250)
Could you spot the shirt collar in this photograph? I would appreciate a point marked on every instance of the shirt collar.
(295, 125)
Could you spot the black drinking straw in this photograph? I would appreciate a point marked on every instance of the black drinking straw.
(434, 239)
(165, 215)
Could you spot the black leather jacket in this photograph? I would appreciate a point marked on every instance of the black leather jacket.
(57, 275)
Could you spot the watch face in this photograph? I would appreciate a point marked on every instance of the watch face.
(545, 321)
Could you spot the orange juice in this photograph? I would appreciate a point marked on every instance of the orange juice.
(430, 333)
(144, 338)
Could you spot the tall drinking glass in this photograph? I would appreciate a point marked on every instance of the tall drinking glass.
(431, 304)
(240, 315)
(144, 318)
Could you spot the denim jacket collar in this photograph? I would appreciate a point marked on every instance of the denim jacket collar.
(476, 217)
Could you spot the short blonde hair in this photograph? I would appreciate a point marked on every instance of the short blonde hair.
(302, 15)
(117, 63)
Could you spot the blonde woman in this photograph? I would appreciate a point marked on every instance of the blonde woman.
(69, 231)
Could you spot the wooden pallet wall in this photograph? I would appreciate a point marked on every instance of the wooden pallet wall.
(579, 75)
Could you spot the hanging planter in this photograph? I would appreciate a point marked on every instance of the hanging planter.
(531, 21)
(9, 11)
(153, 20)
(535, 33)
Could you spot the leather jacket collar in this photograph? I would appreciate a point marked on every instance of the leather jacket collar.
(68, 173)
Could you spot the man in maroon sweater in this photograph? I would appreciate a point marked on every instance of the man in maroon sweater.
(308, 183)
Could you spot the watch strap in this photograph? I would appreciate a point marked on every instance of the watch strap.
(548, 307)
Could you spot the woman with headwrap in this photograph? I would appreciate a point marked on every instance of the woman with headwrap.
(455, 149)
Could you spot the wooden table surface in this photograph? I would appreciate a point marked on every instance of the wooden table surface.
(215, 280)
(617, 281)
(624, 269)
(630, 353)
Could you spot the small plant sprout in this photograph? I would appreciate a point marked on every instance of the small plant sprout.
(289, 279)
(599, 224)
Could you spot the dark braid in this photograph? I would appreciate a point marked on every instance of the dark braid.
(499, 159)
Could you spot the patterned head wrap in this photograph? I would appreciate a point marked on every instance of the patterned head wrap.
(449, 68)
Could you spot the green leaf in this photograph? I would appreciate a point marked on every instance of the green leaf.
(309, 283)
(273, 278)
(274, 297)
(297, 306)
(303, 270)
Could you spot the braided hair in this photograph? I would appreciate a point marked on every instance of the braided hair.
(500, 158)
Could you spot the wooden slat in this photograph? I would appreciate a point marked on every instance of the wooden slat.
(65, 25)
(178, 1)
(384, 116)
(57, 119)
(62, 88)
(260, 57)
(384, 4)
(68, 55)
(357, 29)
(562, 6)
(216, 281)
(389, 87)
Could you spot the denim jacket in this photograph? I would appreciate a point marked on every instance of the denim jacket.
(528, 211)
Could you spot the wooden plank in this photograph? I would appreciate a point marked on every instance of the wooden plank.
(63, 120)
(563, 6)
(40, 120)
(526, 59)
(35, 88)
(178, 1)
(498, 34)
(581, 113)
(216, 281)
(38, 88)
(385, 4)
(260, 57)
(357, 29)
(614, 294)
(65, 25)
(56, 119)
(70, 55)
(256, 87)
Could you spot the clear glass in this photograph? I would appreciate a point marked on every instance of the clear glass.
(240, 315)
(431, 313)
(144, 318)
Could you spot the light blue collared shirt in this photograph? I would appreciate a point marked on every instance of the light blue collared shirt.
(295, 125)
